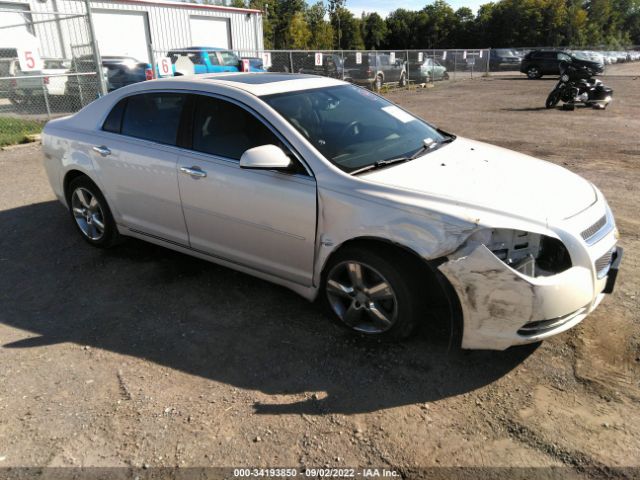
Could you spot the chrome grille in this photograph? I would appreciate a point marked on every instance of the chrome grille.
(593, 229)
(603, 263)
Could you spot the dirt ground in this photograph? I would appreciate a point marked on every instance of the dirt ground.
(141, 357)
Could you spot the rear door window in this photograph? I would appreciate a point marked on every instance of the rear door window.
(153, 116)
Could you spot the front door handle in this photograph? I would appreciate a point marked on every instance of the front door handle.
(193, 171)
(102, 150)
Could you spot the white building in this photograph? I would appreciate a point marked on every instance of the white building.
(143, 29)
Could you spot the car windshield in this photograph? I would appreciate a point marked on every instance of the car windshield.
(229, 59)
(352, 127)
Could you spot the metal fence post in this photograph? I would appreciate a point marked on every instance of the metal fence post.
(488, 59)
(408, 76)
(46, 97)
(290, 62)
(102, 85)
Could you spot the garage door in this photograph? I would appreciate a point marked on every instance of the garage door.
(210, 32)
(122, 33)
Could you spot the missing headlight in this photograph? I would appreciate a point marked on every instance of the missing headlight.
(529, 253)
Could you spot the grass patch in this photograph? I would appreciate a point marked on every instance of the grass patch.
(16, 130)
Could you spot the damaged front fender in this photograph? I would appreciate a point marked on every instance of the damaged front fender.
(497, 301)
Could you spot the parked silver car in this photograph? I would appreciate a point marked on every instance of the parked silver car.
(336, 193)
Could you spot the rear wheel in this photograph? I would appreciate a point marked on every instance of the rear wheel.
(371, 293)
(553, 99)
(534, 72)
(91, 214)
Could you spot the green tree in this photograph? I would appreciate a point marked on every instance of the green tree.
(440, 28)
(347, 28)
(374, 31)
(298, 33)
(321, 30)
(401, 29)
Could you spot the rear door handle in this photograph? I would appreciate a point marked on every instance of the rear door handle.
(193, 171)
(102, 150)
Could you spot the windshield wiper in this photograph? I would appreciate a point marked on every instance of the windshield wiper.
(428, 144)
(380, 164)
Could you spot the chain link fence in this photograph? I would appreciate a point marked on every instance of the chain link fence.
(48, 66)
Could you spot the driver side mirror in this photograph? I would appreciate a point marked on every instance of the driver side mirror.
(265, 157)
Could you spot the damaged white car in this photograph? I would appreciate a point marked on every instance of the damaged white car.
(340, 195)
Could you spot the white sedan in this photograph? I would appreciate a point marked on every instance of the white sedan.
(342, 196)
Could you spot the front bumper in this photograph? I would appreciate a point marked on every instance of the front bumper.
(502, 307)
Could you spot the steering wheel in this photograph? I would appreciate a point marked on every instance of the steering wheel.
(351, 127)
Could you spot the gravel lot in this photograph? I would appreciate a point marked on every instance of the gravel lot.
(141, 357)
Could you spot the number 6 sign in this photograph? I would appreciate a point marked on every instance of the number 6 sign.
(165, 69)
(29, 60)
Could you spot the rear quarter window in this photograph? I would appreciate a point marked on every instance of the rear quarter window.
(113, 123)
(153, 116)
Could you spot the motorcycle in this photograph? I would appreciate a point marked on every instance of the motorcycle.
(577, 85)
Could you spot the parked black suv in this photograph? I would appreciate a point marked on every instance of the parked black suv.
(541, 62)
(503, 59)
(376, 70)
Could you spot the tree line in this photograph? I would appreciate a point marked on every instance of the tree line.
(295, 24)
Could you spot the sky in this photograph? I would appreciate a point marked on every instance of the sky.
(383, 7)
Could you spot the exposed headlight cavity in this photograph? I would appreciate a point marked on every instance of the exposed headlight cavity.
(529, 253)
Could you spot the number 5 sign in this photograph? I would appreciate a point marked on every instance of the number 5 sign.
(29, 60)
(165, 69)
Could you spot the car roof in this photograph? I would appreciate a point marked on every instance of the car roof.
(259, 84)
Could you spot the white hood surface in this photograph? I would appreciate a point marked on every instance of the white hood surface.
(483, 175)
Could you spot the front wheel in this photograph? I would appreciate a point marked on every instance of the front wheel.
(91, 214)
(553, 99)
(372, 294)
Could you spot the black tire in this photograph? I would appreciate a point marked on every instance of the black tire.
(396, 270)
(445, 76)
(553, 99)
(110, 235)
(533, 72)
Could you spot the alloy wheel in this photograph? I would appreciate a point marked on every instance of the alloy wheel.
(533, 72)
(362, 297)
(88, 213)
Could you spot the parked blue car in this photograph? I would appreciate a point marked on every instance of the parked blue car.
(190, 60)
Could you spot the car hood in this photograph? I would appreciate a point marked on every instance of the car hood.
(482, 175)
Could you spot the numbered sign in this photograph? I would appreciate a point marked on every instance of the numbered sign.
(29, 60)
(464, 55)
(318, 59)
(420, 57)
(392, 57)
(266, 59)
(165, 69)
(444, 55)
(480, 53)
(358, 58)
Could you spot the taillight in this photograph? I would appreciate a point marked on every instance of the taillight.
(148, 74)
(245, 66)
(46, 80)
(14, 83)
